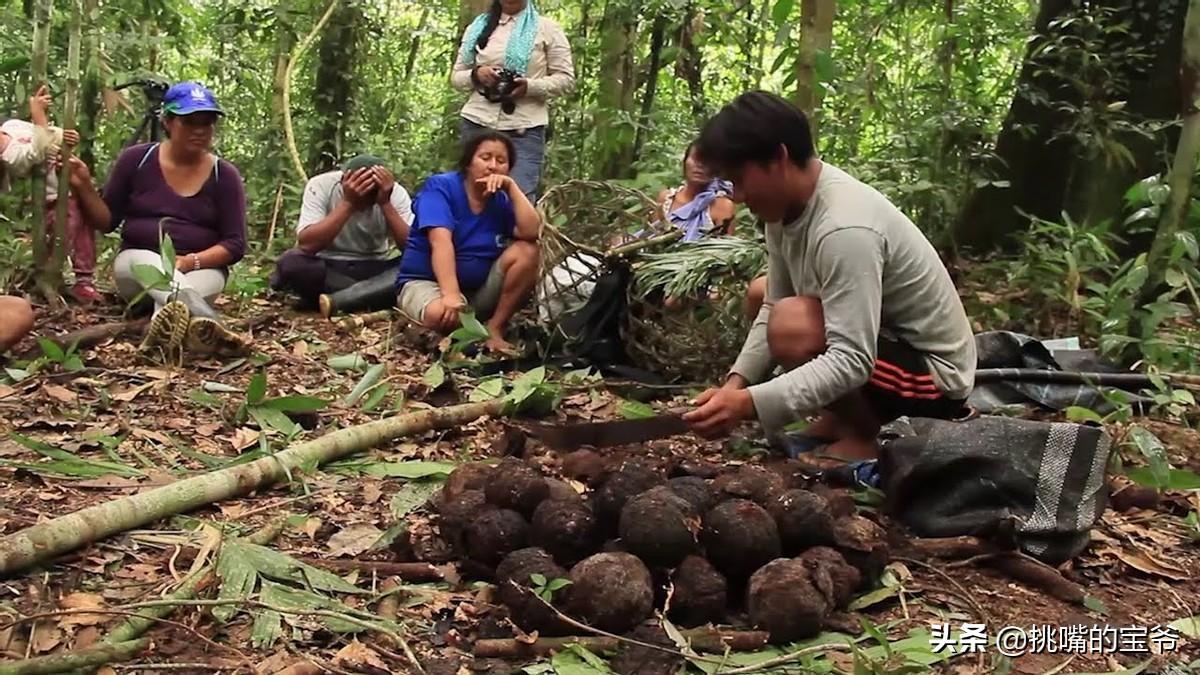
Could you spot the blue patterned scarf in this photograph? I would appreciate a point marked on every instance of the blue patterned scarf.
(520, 43)
(693, 216)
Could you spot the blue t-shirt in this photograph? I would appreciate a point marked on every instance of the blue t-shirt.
(479, 238)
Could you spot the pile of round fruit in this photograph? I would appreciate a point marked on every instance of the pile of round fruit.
(700, 547)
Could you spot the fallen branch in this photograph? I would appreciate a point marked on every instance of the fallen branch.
(133, 627)
(948, 547)
(1040, 575)
(90, 657)
(65, 533)
(701, 639)
(417, 571)
(356, 321)
(90, 336)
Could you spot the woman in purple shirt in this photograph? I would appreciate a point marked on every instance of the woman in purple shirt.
(180, 187)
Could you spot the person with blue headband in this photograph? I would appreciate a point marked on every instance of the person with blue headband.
(513, 60)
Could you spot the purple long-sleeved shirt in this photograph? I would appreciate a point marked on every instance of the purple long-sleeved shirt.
(141, 197)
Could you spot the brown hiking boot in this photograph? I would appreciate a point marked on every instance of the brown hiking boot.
(208, 336)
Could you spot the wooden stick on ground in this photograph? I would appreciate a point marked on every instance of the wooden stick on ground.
(417, 571)
(65, 533)
(96, 655)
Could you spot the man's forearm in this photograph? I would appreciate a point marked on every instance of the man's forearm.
(95, 211)
(396, 223)
(318, 236)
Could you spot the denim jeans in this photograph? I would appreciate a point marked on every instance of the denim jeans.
(531, 151)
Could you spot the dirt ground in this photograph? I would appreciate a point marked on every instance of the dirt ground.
(166, 423)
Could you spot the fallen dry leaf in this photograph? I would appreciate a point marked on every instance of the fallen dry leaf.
(77, 601)
(208, 429)
(243, 438)
(6, 391)
(310, 527)
(60, 393)
(132, 392)
(148, 435)
(299, 348)
(86, 637)
(1144, 562)
(46, 638)
(371, 491)
(351, 541)
(108, 482)
(358, 654)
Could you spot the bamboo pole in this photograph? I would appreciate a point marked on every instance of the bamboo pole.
(65, 533)
(288, 131)
(51, 274)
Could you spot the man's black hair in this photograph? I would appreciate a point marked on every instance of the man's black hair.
(475, 140)
(751, 128)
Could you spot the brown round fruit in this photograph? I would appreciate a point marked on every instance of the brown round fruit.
(494, 534)
(783, 601)
(456, 514)
(515, 588)
(586, 466)
(700, 593)
(514, 485)
(864, 545)
(566, 529)
(831, 574)
(751, 482)
(632, 479)
(739, 537)
(469, 476)
(659, 527)
(610, 591)
(696, 491)
(803, 519)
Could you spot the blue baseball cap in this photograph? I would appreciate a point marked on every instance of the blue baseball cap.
(186, 98)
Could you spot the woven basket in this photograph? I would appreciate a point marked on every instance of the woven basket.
(582, 224)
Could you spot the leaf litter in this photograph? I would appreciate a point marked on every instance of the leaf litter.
(153, 425)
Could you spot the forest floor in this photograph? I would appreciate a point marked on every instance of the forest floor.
(164, 423)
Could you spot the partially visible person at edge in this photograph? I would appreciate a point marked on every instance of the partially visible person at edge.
(512, 36)
(180, 186)
(26, 144)
(352, 221)
(473, 245)
(860, 312)
(16, 320)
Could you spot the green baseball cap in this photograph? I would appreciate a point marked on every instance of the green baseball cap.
(362, 162)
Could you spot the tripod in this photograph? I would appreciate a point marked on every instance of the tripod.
(153, 90)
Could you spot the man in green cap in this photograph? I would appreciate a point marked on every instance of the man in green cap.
(351, 222)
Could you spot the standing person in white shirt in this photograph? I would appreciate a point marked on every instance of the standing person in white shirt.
(352, 222)
(514, 60)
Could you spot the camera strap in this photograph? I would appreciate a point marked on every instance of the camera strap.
(154, 146)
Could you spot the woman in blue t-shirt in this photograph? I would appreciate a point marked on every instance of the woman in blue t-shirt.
(472, 243)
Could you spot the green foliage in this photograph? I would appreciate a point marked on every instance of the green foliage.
(272, 413)
(545, 588)
(1158, 472)
(66, 464)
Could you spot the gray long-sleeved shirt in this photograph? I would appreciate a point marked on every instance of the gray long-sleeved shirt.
(873, 271)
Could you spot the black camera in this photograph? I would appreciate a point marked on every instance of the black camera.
(501, 92)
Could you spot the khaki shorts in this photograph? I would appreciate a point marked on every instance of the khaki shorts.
(416, 295)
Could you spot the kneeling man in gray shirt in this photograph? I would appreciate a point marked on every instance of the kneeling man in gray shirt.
(860, 312)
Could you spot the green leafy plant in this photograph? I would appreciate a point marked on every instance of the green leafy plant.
(545, 588)
(272, 413)
(1158, 472)
(157, 278)
(68, 359)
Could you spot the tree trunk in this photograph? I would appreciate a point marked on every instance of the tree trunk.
(414, 47)
(449, 132)
(289, 131)
(759, 66)
(816, 38)
(51, 275)
(54, 537)
(333, 90)
(615, 134)
(657, 35)
(90, 93)
(285, 41)
(1184, 165)
(691, 61)
(1042, 168)
(41, 238)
